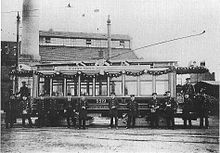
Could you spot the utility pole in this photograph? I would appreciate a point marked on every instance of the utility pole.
(109, 54)
(17, 51)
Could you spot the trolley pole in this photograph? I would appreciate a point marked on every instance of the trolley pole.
(17, 51)
(109, 54)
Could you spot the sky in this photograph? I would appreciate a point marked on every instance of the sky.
(146, 21)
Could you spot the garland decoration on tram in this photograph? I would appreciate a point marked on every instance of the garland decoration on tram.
(178, 70)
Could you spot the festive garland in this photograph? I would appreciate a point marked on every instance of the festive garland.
(178, 70)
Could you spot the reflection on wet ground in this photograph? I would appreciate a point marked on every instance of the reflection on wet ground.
(103, 140)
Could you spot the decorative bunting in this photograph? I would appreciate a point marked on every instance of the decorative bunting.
(178, 70)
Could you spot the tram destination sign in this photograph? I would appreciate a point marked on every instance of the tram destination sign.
(113, 68)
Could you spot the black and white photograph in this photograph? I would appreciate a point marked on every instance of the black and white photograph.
(110, 76)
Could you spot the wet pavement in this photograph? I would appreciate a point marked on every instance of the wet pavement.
(103, 140)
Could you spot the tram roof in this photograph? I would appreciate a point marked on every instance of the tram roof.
(110, 62)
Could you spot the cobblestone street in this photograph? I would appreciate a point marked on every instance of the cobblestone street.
(103, 140)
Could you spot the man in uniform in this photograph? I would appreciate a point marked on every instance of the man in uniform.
(169, 109)
(188, 89)
(187, 107)
(154, 107)
(202, 105)
(70, 108)
(11, 110)
(24, 91)
(82, 109)
(132, 111)
(113, 110)
(26, 110)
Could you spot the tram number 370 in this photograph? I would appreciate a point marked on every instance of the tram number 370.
(100, 101)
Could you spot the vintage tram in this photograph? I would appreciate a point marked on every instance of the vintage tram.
(53, 83)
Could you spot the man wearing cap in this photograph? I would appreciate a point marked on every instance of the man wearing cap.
(187, 107)
(70, 108)
(132, 111)
(24, 91)
(154, 107)
(82, 109)
(188, 89)
(202, 106)
(169, 109)
(113, 110)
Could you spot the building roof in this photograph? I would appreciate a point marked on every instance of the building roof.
(82, 35)
(81, 53)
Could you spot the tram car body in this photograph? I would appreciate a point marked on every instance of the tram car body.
(54, 83)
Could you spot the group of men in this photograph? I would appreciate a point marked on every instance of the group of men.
(197, 103)
(167, 106)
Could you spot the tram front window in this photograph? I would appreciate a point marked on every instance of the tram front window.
(101, 86)
(130, 85)
(116, 85)
(162, 84)
(86, 86)
(44, 87)
(57, 87)
(72, 86)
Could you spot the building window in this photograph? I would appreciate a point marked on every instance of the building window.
(88, 41)
(130, 85)
(146, 85)
(116, 85)
(47, 40)
(162, 84)
(122, 43)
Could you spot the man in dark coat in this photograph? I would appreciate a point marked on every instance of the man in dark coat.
(132, 111)
(26, 110)
(169, 109)
(11, 110)
(113, 110)
(202, 106)
(154, 107)
(187, 107)
(82, 109)
(188, 89)
(70, 109)
(24, 91)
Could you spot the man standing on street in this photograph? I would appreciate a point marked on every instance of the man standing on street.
(113, 110)
(170, 106)
(154, 107)
(132, 111)
(82, 109)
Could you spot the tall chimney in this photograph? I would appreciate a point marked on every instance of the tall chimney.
(30, 30)
(109, 54)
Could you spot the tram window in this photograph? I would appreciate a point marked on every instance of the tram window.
(116, 85)
(44, 87)
(130, 85)
(146, 85)
(86, 86)
(101, 86)
(57, 87)
(72, 86)
(161, 84)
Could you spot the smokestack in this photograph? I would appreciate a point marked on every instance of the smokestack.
(109, 38)
(30, 30)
